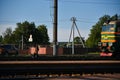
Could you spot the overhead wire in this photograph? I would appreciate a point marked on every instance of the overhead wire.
(51, 9)
(92, 2)
(72, 1)
(84, 20)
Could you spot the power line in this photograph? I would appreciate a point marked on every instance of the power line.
(88, 2)
(84, 20)
(51, 9)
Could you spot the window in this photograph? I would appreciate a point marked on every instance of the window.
(118, 29)
(108, 28)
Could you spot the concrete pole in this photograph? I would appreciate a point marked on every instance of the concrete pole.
(55, 28)
(22, 42)
(73, 19)
(73, 40)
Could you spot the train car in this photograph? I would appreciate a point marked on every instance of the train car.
(110, 39)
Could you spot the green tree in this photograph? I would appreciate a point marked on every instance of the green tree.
(24, 29)
(95, 36)
(1, 39)
(115, 17)
(95, 32)
(78, 41)
(43, 30)
(7, 35)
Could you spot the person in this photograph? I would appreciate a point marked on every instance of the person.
(34, 51)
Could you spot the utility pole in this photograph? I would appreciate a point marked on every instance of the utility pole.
(55, 28)
(73, 19)
(22, 42)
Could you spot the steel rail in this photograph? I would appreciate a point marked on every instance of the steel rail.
(58, 67)
(62, 62)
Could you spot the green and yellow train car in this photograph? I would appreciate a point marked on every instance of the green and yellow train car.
(110, 39)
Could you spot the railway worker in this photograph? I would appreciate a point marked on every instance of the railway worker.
(34, 51)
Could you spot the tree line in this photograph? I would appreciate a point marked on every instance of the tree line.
(25, 29)
(40, 33)
(95, 32)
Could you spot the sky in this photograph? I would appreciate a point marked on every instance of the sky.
(86, 12)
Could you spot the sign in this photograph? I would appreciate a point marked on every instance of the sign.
(30, 39)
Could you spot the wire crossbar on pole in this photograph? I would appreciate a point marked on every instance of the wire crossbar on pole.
(74, 25)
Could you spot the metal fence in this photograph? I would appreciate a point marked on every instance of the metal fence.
(80, 50)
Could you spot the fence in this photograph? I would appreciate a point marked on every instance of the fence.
(66, 51)
(80, 50)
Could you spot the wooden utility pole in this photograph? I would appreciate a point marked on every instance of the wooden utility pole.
(55, 28)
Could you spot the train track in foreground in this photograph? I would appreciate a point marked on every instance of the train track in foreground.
(55, 58)
(13, 68)
(66, 77)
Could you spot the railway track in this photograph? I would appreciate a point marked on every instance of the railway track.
(14, 68)
(55, 58)
(66, 77)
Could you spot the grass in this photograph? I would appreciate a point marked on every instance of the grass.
(94, 53)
